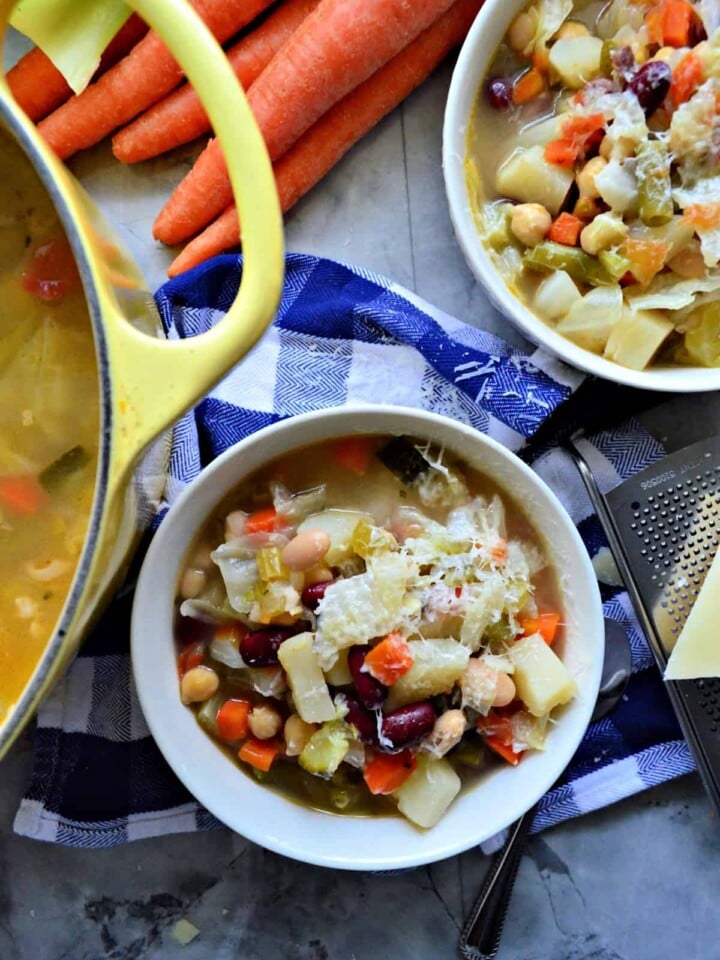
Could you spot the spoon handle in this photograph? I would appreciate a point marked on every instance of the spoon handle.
(480, 937)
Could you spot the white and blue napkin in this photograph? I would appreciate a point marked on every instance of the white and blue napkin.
(342, 335)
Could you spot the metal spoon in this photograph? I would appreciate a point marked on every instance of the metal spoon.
(481, 934)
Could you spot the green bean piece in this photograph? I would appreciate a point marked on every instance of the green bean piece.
(606, 63)
(654, 186)
(583, 268)
(615, 263)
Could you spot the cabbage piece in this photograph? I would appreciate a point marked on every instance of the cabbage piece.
(268, 681)
(495, 224)
(236, 562)
(225, 651)
(339, 526)
(528, 732)
(362, 607)
(211, 606)
(618, 186)
(436, 667)
(628, 117)
(294, 507)
(710, 244)
(709, 11)
(704, 190)
(692, 131)
(484, 606)
(327, 748)
(550, 14)
(72, 33)
(702, 340)
(428, 791)
(669, 292)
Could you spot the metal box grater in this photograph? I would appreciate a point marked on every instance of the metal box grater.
(663, 527)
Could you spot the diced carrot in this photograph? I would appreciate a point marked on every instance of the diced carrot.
(566, 229)
(191, 656)
(496, 725)
(22, 494)
(676, 19)
(687, 77)
(330, 138)
(232, 720)
(335, 49)
(387, 772)
(703, 216)
(654, 26)
(541, 59)
(647, 257)
(545, 624)
(52, 271)
(561, 152)
(262, 521)
(353, 453)
(530, 85)
(582, 126)
(259, 753)
(389, 659)
(503, 750)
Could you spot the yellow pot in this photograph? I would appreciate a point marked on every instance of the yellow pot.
(147, 382)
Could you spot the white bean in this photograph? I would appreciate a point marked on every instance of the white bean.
(505, 691)
(199, 684)
(306, 549)
(235, 524)
(192, 583)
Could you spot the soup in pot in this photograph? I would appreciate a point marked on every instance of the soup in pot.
(48, 420)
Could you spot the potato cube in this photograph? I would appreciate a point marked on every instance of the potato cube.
(428, 791)
(437, 666)
(528, 177)
(541, 678)
(309, 690)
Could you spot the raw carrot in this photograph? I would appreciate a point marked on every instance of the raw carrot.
(566, 229)
(317, 152)
(387, 772)
(389, 659)
(142, 78)
(259, 753)
(262, 521)
(687, 77)
(503, 750)
(528, 86)
(232, 720)
(353, 453)
(22, 494)
(180, 117)
(677, 17)
(336, 48)
(39, 87)
(545, 624)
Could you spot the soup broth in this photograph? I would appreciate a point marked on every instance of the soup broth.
(48, 420)
(366, 506)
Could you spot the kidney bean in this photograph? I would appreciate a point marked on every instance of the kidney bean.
(499, 93)
(408, 724)
(650, 84)
(371, 692)
(259, 648)
(314, 592)
(363, 720)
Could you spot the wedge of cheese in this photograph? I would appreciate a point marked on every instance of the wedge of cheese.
(697, 651)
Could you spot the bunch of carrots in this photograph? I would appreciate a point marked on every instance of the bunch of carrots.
(319, 75)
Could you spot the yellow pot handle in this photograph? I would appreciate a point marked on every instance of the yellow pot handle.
(156, 380)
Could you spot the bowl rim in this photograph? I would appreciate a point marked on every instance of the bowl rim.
(470, 70)
(277, 823)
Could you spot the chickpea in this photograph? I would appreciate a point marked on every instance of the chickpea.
(192, 583)
(505, 692)
(306, 549)
(571, 30)
(585, 179)
(530, 223)
(264, 721)
(199, 684)
(318, 574)
(297, 733)
(447, 732)
(521, 32)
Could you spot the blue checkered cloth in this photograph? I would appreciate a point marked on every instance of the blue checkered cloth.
(341, 335)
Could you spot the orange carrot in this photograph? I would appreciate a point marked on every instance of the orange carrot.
(353, 453)
(336, 48)
(22, 494)
(180, 117)
(39, 87)
(389, 659)
(192, 656)
(703, 216)
(387, 772)
(687, 77)
(545, 624)
(262, 521)
(654, 26)
(317, 152)
(528, 86)
(561, 152)
(136, 82)
(566, 229)
(503, 750)
(677, 17)
(259, 753)
(232, 720)
(647, 257)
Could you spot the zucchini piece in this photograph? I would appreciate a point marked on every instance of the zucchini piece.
(615, 263)
(326, 748)
(654, 185)
(402, 458)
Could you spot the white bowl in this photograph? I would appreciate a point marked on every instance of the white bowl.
(470, 72)
(358, 843)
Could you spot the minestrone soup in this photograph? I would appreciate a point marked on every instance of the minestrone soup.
(366, 623)
(48, 420)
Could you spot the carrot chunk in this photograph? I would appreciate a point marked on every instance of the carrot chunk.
(22, 494)
(262, 521)
(389, 659)
(703, 216)
(566, 229)
(561, 152)
(676, 19)
(259, 753)
(687, 77)
(387, 772)
(503, 750)
(545, 624)
(353, 453)
(232, 719)
(530, 85)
